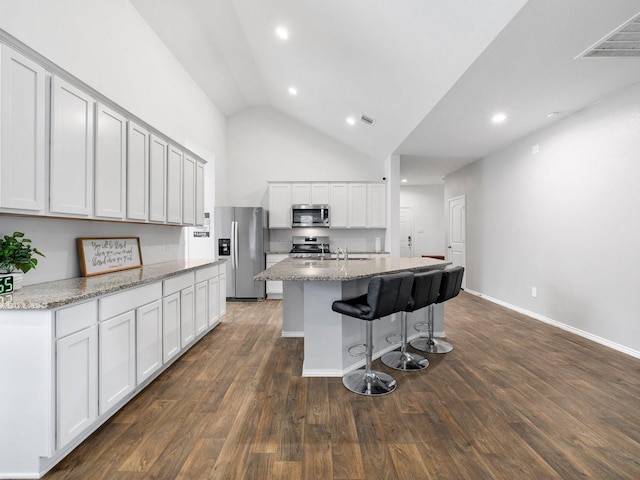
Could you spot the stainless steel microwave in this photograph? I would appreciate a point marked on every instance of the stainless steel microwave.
(310, 216)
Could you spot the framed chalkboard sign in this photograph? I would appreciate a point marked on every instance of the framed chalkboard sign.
(104, 255)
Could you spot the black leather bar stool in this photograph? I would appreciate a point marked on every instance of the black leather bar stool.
(449, 288)
(386, 294)
(424, 292)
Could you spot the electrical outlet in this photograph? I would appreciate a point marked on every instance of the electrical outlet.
(534, 292)
(168, 248)
(535, 149)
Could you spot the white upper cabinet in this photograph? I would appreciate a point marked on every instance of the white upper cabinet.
(174, 185)
(22, 133)
(199, 193)
(376, 205)
(280, 205)
(300, 193)
(71, 162)
(339, 205)
(188, 191)
(320, 193)
(137, 173)
(357, 205)
(158, 152)
(110, 181)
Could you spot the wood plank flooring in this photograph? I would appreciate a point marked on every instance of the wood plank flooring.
(516, 399)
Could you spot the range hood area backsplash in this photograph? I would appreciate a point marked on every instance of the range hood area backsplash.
(354, 240)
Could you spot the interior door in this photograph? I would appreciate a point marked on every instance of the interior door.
(457, 233)
(406, 232)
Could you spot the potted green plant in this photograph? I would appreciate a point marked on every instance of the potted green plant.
(17, 256)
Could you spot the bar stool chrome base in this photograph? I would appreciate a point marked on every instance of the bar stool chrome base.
(431, 345)
(372, 384)
(404, 361)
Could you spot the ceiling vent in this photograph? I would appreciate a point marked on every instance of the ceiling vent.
(367, 120)
(623, 42)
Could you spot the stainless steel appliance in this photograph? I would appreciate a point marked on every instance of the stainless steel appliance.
(310, 216)
(310, 247)
(241, 235)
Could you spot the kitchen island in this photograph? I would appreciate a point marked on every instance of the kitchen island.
(312, 285)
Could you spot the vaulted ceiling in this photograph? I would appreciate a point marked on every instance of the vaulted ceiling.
(430, 73)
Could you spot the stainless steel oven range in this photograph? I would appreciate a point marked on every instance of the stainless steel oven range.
(310, 247)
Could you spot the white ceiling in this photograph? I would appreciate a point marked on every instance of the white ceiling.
(431, 73)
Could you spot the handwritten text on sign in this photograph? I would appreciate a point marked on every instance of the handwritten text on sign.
(101, 255)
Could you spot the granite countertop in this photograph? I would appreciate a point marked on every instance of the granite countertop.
(351, 252)
(301, 269)
(48, 295)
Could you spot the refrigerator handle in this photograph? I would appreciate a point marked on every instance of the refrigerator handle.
(234, 245)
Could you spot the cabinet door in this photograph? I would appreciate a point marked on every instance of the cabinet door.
(110, 181)
(174, 185)
(222, 290)
(274, 287)
(148, 340)
(137, 173)
(22, 132)
(170, 326)
(201, 297)
(71, 162)
(214, 301)
(357, 205)
(187, 316)
(199, 193)
(280, 205)
(339, 213)
(117, 365)
(158, 152)
(376, 205)
(76, 384)
(300, 193)
(320, 193)
(188, 191)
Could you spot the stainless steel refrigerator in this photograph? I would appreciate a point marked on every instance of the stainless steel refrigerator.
(241, 236)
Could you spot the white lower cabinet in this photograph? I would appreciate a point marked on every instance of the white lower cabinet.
(117, 364)
(273, 287)
(76, 384)
(222, 292)
(148, 340)
(80, 363)
(170, 326)
(187, 316)
(214, 301)
(201, 304)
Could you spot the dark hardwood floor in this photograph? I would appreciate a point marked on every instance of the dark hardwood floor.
(516, 399)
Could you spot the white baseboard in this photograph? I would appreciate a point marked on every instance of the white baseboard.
(563, 326)
(292, 334)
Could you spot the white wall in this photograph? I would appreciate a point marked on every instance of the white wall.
(427, 203)
(564, 221)
(107, 45)
(266, 145)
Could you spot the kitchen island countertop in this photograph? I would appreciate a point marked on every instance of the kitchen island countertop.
(304, 270)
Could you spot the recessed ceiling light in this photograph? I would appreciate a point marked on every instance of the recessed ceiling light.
(351, 120)
(404, 180)
(552, 114)
(293, 91)
(282, 33)
(499, 118)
